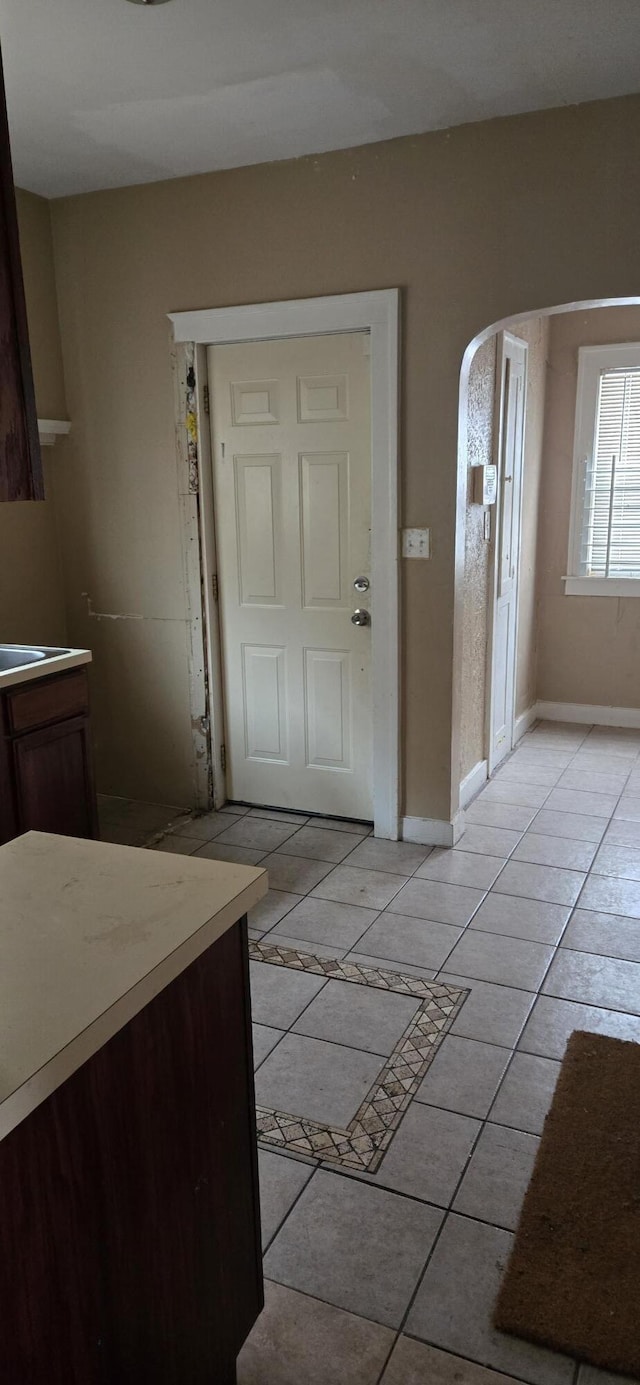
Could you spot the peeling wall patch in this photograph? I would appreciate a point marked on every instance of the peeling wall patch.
(191, 419)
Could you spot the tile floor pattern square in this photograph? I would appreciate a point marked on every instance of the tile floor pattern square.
(354, 1245)
(388, 1274)
(281, 1182)
(415, 941)
(322, 1082)
(453, 1306)
(299, 1340)
(361, 1018)
(498, 1175)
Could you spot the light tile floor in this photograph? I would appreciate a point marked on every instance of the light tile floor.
(389, 1278)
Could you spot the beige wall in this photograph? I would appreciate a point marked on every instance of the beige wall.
(480, 426)
(31, 598)
(589, 647)
(536, 334)
(474, 224)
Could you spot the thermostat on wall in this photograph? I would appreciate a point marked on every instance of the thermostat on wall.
(485, 485)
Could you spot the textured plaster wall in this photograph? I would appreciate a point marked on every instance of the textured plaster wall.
(536, 334)
(474, 224)
(589, 647)
(477, 583)
(482, 380)
(31, 588)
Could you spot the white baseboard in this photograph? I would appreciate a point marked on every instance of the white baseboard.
(433, 831)
(473, 782)
(524, 721)
(588, 714)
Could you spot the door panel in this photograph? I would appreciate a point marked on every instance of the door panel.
(254, 402)
(265, 703)
(501, 696)
(292, 473)
(507, 548)
(325, 532)
(258, 522)
(322, 399)
(328, 708)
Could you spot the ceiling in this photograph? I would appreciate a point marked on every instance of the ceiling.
(102, 93)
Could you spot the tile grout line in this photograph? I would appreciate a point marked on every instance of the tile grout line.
(482, 1127)
(459, 1355)
(450, 1210)
(572, 907)
(379, 1380)
(464, 929)
(355, 1175)
(486, 1120)
(307, 1184)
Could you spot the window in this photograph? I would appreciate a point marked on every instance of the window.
(604, 545)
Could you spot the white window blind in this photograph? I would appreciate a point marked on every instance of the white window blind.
(609, 534)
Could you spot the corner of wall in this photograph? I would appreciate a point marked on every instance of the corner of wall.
(32, 607)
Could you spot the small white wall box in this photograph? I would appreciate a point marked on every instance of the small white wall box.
(485, 485)
(416, 543)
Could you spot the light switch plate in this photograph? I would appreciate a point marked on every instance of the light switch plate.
(485, 484)
(416, 543)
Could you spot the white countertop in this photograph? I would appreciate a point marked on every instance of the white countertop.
(89, 934)
(57, 663)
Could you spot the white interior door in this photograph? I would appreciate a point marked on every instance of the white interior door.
(292, 482)
(510, 457)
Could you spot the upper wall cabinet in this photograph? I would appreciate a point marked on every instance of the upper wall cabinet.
(20, 461)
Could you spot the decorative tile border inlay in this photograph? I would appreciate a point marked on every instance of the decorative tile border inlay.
(366, 1139)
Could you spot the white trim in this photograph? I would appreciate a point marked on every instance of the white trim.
(433, 831)
(472, 782)
(601, 586)
(523, 722)
(379, 313)
(588, 714)
(51, 428)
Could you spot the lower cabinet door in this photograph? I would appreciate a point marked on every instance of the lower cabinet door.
(54, 779)
(8, 816)
(129, 1205)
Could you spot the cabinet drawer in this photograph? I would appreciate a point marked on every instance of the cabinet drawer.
(49, 699)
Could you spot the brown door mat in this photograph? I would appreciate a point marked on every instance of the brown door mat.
(573, 1278)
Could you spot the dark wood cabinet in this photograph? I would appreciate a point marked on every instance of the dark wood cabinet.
(46, 766)
(20, 460)
(129, 1199)
(8, 810)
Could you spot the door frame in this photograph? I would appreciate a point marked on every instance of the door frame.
(377, 312)
(507, 343)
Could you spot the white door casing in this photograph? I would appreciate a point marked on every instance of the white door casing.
(376, 311)
(511, 377)
(292, 482)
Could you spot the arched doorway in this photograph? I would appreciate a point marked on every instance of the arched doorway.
(573, 657)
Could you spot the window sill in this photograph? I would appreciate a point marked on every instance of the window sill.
(601, 586)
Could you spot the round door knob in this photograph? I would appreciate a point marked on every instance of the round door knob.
(360, 617)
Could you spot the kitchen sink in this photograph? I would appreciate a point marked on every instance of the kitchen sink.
(18, 656)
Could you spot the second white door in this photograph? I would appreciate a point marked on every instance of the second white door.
(292, 483)
(511, 419)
